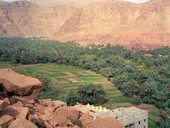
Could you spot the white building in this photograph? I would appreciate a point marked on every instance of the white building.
(129, 117)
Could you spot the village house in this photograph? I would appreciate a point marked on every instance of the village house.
(129, 117)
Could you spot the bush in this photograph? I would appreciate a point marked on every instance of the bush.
(72, 99)
(136, 100)
(48, 90)
(89, 93)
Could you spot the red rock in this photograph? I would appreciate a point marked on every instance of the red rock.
(36, 120)
(75, 126)
(4, 103)
(59, 120)
(58, 104)
(22, 123)
(18, 84)
(86, 119)
(48, 125)
(18, 104)
(46, 102)
(16, 112)
(40, 109)
(47, 115)
(29, 105)
(68, 112)
(6, 120)
(105, 123)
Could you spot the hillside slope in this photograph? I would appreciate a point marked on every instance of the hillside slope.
(23, 18)
(121, 22)
(144, 25)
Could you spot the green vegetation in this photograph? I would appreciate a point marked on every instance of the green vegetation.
(143, 75)
(92, 94)
(49, 88)
(59, 80)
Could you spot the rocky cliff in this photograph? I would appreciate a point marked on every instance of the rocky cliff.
(144, 25)
(121, 22)
(23, 18)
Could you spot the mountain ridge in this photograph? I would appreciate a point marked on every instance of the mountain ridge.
(98, 21)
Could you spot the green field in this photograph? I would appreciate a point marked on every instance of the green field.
(69, 78)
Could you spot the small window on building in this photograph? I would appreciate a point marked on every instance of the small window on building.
(144, 127)
(116, 117)
(144, 120)
(139, 122)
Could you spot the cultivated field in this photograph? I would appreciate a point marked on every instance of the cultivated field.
(68, 78)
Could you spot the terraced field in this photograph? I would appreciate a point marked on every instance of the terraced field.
(69, 78)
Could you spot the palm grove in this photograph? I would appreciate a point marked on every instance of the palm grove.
(143, 76)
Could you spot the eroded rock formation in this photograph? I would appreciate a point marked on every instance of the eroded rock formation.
(144, 25)
(21, 113)
(14, 84)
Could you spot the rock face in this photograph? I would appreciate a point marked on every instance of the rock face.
(144, 25)
(24, 18)
(132, 25)
(22, 123)
(14, 84)
(23, 113)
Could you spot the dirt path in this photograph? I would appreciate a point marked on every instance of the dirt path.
(72, 79)
(147, 107)
(69, 74)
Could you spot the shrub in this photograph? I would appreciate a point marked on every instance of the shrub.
(48, 90)
(72, 99)
(136, 100)
(89, 93)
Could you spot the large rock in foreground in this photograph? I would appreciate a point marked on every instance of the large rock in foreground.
(21, 113)
(12, 83)
(22, 123)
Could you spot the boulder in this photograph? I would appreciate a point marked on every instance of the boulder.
(36, 120)
(5, 121)
(59, 120)
(24, 100)
(40, 109)
(47, 114)
(105, 123)
(22, 123)
(47, 102)
(86, 119)
(17, 104)
(16, 112)
(58, 104)
(75, 126)
(12, 83)
(68, 112)
(4, 103)
(48, 125)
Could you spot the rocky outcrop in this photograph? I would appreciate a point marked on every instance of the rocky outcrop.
(14, 84)
(24, 18)
(145, 26)
(21, 113)
(132, 25)
(22, 123)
